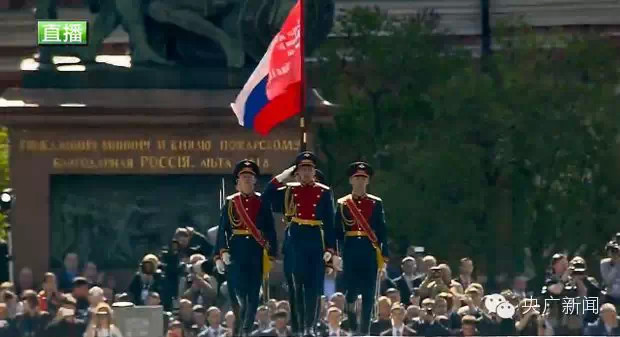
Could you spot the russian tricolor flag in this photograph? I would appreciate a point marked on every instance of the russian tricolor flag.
(273, 92)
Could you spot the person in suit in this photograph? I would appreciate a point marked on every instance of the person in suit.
(361, 230)
(309, 205)
(607, 324)
(245, 236)
(333, 327)
(214, 317)
(279, 329)
(383, 322)
(397, 314)
(407, 281)
(468, 326)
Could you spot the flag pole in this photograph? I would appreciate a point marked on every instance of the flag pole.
(302, 119)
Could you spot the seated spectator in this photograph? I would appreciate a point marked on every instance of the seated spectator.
(6, 286)
(394, 295)
(407, 281)
(333, 328)
(610, 273)
(519, 287)
(50, 298)
(428, 323)
(68, 273)
(12, 305)
(95, 297)
(466, 270)
(280, 327)
(214, 316)
(66, 324)
(186, 315)
(383, 322)
(468, 326)
(203, 288)
(262, 320)
(102, 323)
(175, 330)
(80, 293)
(413, 312)
(33, 321)
(229, 320)
(92, 275)
(397, 315)
(527, 318)
(147, 279)
(607, 324)
(472, 301)
(7, 326)
(25, 281)
(200, 319)
(154, 300)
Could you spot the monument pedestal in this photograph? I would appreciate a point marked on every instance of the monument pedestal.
(110, 173)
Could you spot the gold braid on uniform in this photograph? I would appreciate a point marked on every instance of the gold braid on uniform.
(345, 220)
(231, 215)
(290, 209)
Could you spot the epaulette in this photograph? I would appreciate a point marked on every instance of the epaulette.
(373, 197)
(325, 187)
(230, 197)
(343, 199)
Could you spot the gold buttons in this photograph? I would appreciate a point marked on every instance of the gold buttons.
(246, 209)
(298, 205)
(313, 204)
(313, 215)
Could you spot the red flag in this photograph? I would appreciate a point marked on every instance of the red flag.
(286, 60)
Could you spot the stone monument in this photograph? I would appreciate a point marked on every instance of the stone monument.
(108, 160)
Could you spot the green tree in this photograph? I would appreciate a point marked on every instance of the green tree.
(529, 143)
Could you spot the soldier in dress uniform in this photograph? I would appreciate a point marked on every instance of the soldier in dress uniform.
(361, 230)
(311, 243)
(246, 244)
(288, 262)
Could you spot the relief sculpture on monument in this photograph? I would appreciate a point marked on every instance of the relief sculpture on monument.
(226, 33)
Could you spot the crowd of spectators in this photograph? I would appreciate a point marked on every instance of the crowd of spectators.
(426, 299)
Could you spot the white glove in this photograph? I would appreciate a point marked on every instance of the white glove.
(226, 258)
(285, 174)
(327, 256)
(219, 265)
(337, 263)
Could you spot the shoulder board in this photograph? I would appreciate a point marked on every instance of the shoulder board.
(343, 199)
(230, 197)
(374, 197)
(293, 184)
(325, 187)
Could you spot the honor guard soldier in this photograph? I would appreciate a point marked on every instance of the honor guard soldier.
(360, 226)
(288, 262)
(311, 243)
(246, 244)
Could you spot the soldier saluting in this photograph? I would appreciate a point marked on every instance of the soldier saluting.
(311, 241)
(246, 244)
(360, 225)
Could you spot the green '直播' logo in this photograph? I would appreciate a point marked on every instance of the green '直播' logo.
(62, 32)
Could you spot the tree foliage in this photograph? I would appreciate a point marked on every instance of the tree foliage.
(519, 146)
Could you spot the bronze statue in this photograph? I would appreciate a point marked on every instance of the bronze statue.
(196, 31)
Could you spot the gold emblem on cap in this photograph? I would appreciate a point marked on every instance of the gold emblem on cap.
(361, 166)
(247, 163)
